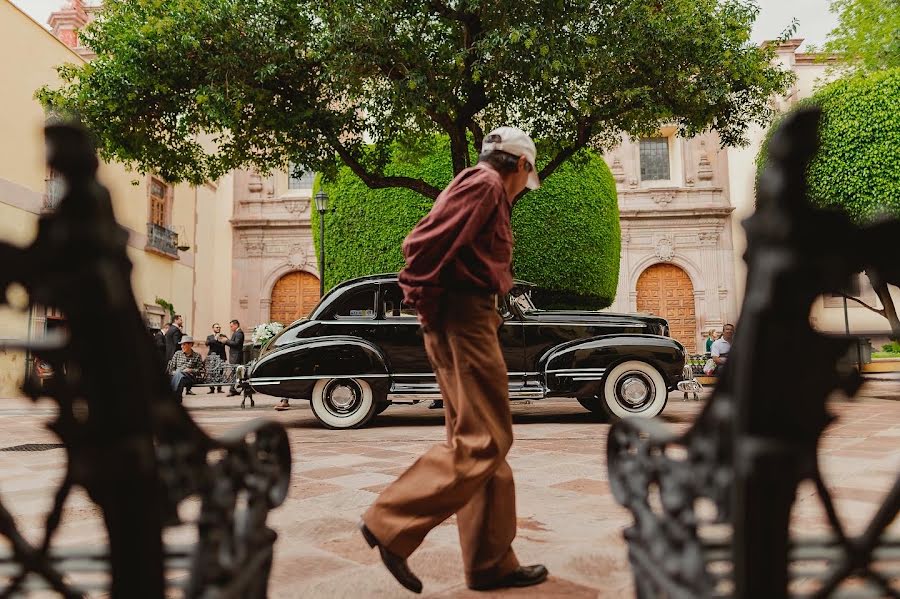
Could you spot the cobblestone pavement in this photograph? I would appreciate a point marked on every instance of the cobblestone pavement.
(567, 517)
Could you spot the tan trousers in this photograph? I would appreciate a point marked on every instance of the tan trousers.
(468, 475)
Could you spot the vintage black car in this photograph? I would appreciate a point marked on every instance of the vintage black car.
(361, 349)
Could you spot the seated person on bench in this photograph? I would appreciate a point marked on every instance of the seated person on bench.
(720, 349)
(184, 367)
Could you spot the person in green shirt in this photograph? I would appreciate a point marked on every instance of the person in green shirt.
(711, 338)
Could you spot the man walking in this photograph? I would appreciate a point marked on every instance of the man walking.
(458, 258)
(216, 347)
(173, 336)
(235, 349)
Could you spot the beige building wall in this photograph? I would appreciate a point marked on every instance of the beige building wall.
(24, 185)
(213, 272)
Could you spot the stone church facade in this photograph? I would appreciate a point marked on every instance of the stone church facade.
(275, 275)
(677, 252)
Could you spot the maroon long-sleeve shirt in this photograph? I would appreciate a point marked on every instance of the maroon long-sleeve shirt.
(464, 243)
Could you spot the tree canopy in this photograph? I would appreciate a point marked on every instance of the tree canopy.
(192, 89)
(567, 237)
(867, 35)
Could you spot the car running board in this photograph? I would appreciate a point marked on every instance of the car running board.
(406, 396)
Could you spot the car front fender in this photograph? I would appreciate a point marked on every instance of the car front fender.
(294, 370)
(579, 366)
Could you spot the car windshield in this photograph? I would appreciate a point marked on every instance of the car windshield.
(522, 299)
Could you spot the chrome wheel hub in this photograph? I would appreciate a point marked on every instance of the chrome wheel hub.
(634, 390)
(342, 397)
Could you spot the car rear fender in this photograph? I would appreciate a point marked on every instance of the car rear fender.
(581, 364)
(294, 370)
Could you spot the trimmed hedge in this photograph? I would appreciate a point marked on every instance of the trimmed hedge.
(567, 233)
(856, 167)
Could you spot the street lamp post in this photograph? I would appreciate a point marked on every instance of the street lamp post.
(321, 207)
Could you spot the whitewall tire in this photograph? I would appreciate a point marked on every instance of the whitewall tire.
(343, 403)
(634, 388)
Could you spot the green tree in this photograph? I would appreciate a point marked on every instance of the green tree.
(566, 233)
(867, 36)
(856, 169)
(192, 89)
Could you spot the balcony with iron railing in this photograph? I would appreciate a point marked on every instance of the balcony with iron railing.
(162, 240)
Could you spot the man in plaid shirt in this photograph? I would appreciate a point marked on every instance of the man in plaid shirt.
(185, 367)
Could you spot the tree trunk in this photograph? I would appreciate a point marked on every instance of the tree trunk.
(884, 295)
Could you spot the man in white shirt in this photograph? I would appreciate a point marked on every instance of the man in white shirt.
(722, 346)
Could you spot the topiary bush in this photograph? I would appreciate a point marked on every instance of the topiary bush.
(566, 233)
(856, 169)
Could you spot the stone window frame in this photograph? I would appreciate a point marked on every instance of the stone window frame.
(651, 161)
(304, 183)
(676, 159)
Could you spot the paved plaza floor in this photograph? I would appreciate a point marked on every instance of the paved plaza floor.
(567, 518)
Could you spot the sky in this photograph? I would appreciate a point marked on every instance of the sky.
(775, 15)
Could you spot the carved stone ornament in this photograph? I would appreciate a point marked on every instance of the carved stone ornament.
(665, 249)
(296, 256)
(254, 246)
(708, 237)
(704, 168)
(254, 186)
(664, 198)
(296, 206)
(618, 172)
(243, 302)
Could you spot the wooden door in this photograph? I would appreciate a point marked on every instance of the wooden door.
(294, 296)
(666, 290)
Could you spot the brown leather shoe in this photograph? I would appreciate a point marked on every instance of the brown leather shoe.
(523, 576)
(395, 564)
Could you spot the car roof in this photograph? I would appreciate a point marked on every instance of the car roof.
(391, 277)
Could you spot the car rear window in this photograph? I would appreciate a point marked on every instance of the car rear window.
(394, 306)
(356, 304)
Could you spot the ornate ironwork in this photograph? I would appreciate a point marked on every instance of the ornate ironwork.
(162, 239)
(138, 454)
(712, 507)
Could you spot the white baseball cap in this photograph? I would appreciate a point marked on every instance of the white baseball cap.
(516, 142)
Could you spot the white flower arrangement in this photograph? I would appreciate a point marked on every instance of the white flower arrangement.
(264, 332)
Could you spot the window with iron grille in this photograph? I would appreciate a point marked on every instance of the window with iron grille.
(160, 237)
(299, 177)
(655, 159)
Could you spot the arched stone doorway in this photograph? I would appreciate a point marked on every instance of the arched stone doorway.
(666, 290)
(293, 296)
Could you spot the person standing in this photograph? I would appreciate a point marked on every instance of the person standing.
(458, 258)
(235, 350)
(173, 336)
(216, 347)
(159, 340)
